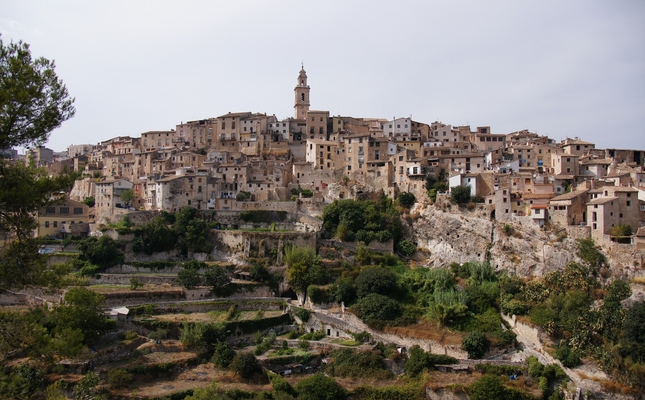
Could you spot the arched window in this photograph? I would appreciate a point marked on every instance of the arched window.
(302, 96)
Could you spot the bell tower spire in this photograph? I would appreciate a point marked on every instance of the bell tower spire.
(301, 90)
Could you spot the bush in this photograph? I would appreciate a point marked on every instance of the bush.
(460, 194)
(320, 387)
(349, 363)
(365, 236)
(317, 295)
(383, 236)
(476, 344)
(568, 357)
(406, 199)
(315, 335)
(375, 280)
(375, 308)
(119, 378)
(406, 248)
(135, 283)
(223, 355)
(245, 365)
(189, 278)
(301, 313)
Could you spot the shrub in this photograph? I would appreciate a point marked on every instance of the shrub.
(375, 308)
(406, 199)
(320, 387)
(135, 283)
(245, 365)
(569, 358)
(315, 335)
(317, 295)
(375, 280)
(476, 344)
(349, 363)
(301, 313)
(119, 378)
(383, 236)
(406, 248)
(460, 194)
(365, 236)
(223, 355)
(189, 278)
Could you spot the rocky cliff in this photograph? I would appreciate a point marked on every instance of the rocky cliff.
(450, 233)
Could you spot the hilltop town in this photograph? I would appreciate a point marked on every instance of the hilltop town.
(250, 161)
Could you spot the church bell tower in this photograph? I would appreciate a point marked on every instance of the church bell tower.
(301, 90)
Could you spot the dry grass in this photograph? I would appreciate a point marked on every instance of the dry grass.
(615, 387)
(639, 279)
(429, 331)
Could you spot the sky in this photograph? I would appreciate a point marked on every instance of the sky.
(572, 68)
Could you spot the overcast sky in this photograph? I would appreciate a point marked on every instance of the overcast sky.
(572, 68)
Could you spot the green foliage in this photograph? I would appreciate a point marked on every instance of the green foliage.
(281, 385)
(317, 294)
(242, 195)
(406, 199)
(569, 358)
(259, 273)
(418, 360)
(82, 310)
(375, 308)
(154, 236)
(588, 252)
(265, 345)
(223, 354)
(304, 268)
(119, 378)
(86, 388)
(314, 336)
(377, 280)
(447, 305)
(301, 313)
(259, 216)
(135, 283)
(405, 248)
(349, 363)
(189, 278)
(217, 278)
(344, 218)
(490, 387)
(127, 196)
(621, 232)
(33, 100)
(245, 365)
(104, 251)
(476, 344)
(343, 290)
(320, 387)
(460, 194)
(193, 231)
(89, 201)
(21, 382)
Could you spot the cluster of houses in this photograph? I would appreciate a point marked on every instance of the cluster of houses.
(240, 159)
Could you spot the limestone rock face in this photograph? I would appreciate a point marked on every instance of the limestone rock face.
(459, 235)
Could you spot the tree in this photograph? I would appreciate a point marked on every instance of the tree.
(23, 191)
(127, 196)
(406, 199)
(189, 278)
(303, 267)
(375, 280)
(245, 365)
(223, 355)
(375, 308)
(460, 194)
(89, 201)
(476, 344)
(104, 251)
(33, 100)
(588, 252)
(81, 310)
(217, 278)
(320, 387)
(488, 387)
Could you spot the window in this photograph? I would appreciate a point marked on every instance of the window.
(78, 210)
(55, 224)
(64, 210)
(50, 210)
(46, 224)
